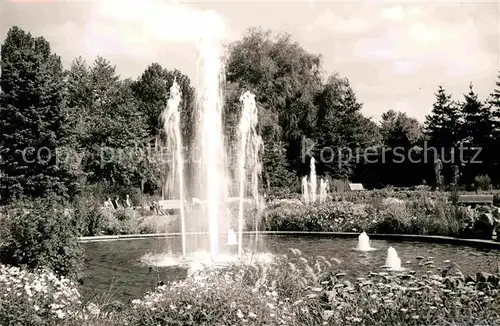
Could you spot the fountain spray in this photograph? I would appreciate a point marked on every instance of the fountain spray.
(171, 127)
(248, 156)
(312, 180)
(213, 176)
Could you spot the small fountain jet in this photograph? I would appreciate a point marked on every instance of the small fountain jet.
(364, 243)
(393, 262)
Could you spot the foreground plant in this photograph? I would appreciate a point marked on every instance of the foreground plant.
(289, 290)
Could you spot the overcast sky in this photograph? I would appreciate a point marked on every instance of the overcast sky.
(394, 53)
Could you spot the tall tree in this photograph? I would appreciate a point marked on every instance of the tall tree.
(33, 119)
(397, 129)
(79, 98)
(494, 102)
(443, 133)
(152, 89)
(476, 134)
(285, 79)
(341, 129)
(495, 98)
(114, 128)
(402, 158)
(443, 125)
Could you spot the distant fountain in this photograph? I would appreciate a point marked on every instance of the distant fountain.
(249, 164)
(305, 190)
(364, 243)
(323, 190)
(171, 127)
(232, 239)
(312, 180)
(393, 262)
(309, 186)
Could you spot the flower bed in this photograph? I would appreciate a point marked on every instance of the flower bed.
(291, 290)
(385, 216)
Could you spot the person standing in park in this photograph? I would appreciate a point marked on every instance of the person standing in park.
(116, 202)
(438, 167)
(108, 203)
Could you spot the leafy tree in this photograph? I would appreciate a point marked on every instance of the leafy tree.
(341, 129)
(402, 155)
(398, 129)
(79, 99)
(33, 119)
(108, 127)
(285, 79)
(152, 89)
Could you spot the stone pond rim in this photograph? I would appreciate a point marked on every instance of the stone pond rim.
(398, 237)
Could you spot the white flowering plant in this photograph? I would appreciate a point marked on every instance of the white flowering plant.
(30, 298)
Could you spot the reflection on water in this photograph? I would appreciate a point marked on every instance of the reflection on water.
(122, 265)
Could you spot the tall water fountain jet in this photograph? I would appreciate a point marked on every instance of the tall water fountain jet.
(232, 238)
(312, 180)
(393, 262)
(364, 243)
(212, 178)
(323, 190)
(249, 164)
(305, 190)
(171, 127)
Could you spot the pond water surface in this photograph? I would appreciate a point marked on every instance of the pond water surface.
(115, 267)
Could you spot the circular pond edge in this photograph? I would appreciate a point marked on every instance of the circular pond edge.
(399, 237)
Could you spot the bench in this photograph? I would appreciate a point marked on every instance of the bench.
(169, 206)
(356, 187)
(475, 199)
(175, 204)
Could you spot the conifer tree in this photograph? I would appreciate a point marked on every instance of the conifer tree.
(476, 133)
(33, 120)
(443, 124)
(494, 156)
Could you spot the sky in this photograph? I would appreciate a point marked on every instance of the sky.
(394, 53)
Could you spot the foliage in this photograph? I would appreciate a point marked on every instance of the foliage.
(102, 130)
(41, 234)
(33, 120)
(476, 132)
(483, 182)
(384, 216)
(36, 298)
(89, 216)
(284, 290)
(338, 111)
(285, 79)
(442, 126)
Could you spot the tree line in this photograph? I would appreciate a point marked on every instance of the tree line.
(55, 123)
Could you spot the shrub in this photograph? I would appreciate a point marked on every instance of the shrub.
(38, 298)
(123, 214)
(89, 215)
(41, 233)
(420, 215)
(330, 216)
(483, 182)
(291, 290)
